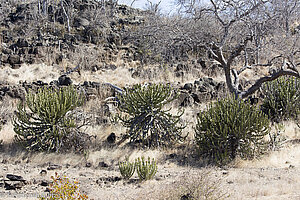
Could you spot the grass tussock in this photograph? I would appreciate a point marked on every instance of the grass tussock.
(203, 185)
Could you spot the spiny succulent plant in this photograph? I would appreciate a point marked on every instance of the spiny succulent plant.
(282, 98)
(43, 122)
(146, 169)
(127, 168)
(145, 117)
(230, 128)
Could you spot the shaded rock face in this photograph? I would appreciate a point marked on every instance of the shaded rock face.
(27, 39)
(100, 29)
(91, 89)
(13, 182)
(202, 90)
(64, 80)
(111, 139)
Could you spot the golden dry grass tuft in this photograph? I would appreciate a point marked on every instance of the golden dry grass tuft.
(201, 185)
(29, 73)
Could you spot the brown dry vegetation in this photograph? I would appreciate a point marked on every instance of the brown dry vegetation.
(275, 175)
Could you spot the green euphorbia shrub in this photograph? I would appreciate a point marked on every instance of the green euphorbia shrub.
(282, 98)
(230, 128)
(44, 121)
(145, 117)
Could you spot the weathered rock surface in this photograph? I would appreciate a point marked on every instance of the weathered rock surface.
(202, 90)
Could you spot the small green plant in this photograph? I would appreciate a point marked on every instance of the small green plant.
(63, 188)
(230, 128)
(276, 137)
(146, 169)
(44, 122)
(147, 121)
(282, 98)
(127, 169)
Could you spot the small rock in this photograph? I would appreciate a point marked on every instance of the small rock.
(88, 164)
(291, 166)
(43, 172)
(14, 59)
(172, 155)
(44, 183)
(16, 66)
(13, 177)
(186, 197)
(188, 86)
(15, 186)
(186, 99)
(102, 164)
(81, 22)
(64, 80)
(225, 172)
(53, 167)
(111, 139)
(4, 161)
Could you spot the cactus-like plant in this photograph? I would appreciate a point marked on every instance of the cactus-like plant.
(146, 169)
(127, 168)
(282, 98)
(146, 119)
(230, 128)
(44, 123)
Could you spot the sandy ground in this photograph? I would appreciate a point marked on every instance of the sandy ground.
(272, 177)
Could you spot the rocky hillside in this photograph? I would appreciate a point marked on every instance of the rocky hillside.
(90, 36)
(96, 36)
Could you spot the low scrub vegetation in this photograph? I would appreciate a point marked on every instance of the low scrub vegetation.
(127, 169)
(200, 186)
(64, 188)
(231, 128)
(146, 169)
(44, 122)
(147, 121)
(282, 98)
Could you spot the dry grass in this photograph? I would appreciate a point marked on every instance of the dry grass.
(203, 184)
(121, 77)
(29, 73)
(274, 176)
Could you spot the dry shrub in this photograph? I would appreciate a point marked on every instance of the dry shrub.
(64, 188)
(198, 186)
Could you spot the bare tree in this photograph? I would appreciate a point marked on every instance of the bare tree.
(246, 28)
(153, 7)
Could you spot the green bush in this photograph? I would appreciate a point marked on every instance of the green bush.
(146, 169)
(147, 121)
(44, 121)
(281, 98)
(231, 128)
(126, 169)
